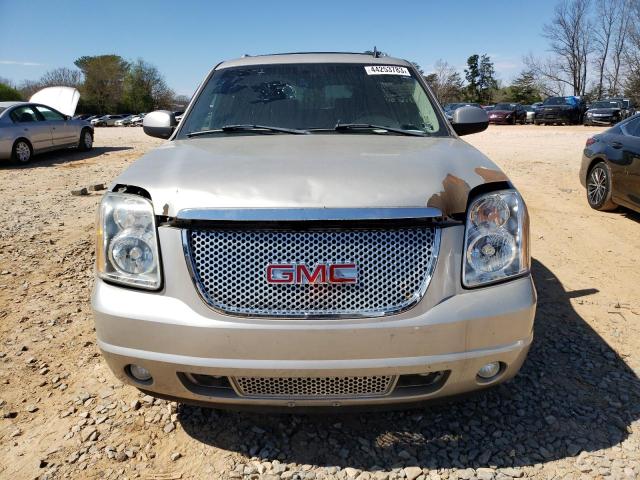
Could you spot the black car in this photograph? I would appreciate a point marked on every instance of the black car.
(560, 110)
(610, 169)
(604, 112)
(628, 108)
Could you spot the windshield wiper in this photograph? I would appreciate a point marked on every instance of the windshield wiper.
(247, 128)
(343, 127)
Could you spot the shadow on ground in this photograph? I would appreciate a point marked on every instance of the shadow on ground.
(574, 393)
(630, 214)
(59, 157)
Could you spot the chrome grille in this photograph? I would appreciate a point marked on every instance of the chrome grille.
(314, 387)
(394, 269)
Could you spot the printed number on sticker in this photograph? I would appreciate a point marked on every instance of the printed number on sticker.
(387, 70)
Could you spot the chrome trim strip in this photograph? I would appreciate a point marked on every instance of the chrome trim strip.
(412, 302)
(306, 214)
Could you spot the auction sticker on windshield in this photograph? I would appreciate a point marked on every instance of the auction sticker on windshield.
(387, 70)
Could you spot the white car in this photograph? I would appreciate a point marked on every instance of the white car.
(106, 120)
(123, 122)
(136, 120)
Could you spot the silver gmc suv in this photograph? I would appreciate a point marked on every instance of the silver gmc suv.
(313, 233)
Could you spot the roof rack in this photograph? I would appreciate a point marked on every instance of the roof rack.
(376, 53)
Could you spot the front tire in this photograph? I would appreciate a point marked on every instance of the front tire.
(599, 188)
(22, 151)
(86, 140)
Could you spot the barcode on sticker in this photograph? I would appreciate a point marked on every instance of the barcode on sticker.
(387, 70)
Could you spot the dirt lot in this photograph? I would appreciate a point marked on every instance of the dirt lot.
(573, 412)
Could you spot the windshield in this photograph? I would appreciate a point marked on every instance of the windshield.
(605, 105)
(313, 96)
(504, 106)
(2, 109)
(559, 101)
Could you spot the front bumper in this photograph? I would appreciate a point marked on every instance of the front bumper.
(500, 120)
(601, 120)
(175, 335)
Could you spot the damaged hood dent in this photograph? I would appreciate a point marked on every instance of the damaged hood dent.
(311, 171)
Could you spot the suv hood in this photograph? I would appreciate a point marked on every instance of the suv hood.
(550, 108)
(604, 110)
(63, 99)
(311, 171)
(501, 113)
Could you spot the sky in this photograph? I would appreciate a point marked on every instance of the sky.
(186, 38)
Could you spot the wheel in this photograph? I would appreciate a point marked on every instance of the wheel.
(22, 151)
(86, 140)
(599, 188)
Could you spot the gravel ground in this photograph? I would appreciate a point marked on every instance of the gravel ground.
(573, 412)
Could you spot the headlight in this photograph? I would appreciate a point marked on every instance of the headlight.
(127, 241)
(496, 239)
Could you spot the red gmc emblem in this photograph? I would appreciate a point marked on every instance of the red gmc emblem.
(322, 273)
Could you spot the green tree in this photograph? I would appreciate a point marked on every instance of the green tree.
(487, 83)
(472, 75)
(8, 93)
(145, 89)
(525, 88)
(103, 81)
(481, 81)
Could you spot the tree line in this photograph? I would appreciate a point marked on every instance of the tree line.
(594, 52)
(107, 84)
(480, 84)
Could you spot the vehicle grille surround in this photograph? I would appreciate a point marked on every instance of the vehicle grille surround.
(394, 269)
(314, 387)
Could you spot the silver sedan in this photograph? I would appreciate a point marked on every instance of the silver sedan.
(30, 128)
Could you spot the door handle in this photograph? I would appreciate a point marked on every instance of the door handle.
(616, 145)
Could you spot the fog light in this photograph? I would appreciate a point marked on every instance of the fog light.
(139, 373)
(489, 370)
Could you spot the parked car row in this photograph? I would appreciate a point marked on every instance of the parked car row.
(567, 110)
(119, 120)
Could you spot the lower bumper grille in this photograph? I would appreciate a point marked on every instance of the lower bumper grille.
(314, 387)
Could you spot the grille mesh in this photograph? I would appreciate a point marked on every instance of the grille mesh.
(394, 268)
(309, 387)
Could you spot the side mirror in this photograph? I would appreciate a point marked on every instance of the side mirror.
(468, 120)
(160, 123)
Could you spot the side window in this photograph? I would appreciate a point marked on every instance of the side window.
(23, 114)
(633, 127)
(49, 114)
